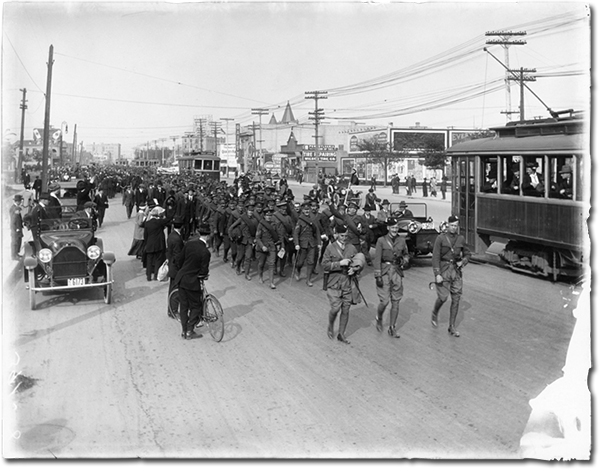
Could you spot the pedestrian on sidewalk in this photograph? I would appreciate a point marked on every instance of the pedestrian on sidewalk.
(16, 227)
(425, 186)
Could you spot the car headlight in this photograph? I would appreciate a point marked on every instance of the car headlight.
(414, 227)
(93, 252)
(45, 255)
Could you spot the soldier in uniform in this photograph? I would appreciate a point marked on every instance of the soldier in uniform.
(307, 239)
(336, 263)
(391, 254)
(450, 255)
(269, 239)
(247, 225)
(285, 221)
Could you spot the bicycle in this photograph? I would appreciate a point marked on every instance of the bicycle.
(212, 312)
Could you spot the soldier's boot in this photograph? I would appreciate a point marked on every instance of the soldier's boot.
(453, 313)
(309, 275)
(379, 317)
(247, 269)
(297, 274)
(260, 276)
(272, 278)
(332, 316)
(393, 318)
(344, 316)
(434, 313)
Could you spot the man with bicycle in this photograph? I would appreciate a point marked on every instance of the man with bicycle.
(194, 261)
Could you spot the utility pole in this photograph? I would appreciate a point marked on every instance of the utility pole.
(227, 140)
(253, 145)
(317, 116)
(20, 159)
(47, 122)
(174, 142)
(74, 145)
(260, 112)
(522, 78)
(506, 41)
(162, 150)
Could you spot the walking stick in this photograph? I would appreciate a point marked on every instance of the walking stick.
(293, 267)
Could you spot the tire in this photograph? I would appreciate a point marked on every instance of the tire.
(31, 290)
(174, 304)
(213, 316)
(108, 288)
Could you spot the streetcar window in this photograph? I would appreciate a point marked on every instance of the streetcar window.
(208, 165)
(511, 175)
(489, 175)
(197, 164)
(561, 177)
(533, 179)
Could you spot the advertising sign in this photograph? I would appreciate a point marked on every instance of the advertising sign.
(228, 154)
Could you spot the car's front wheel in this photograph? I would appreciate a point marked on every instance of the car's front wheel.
(108, 287)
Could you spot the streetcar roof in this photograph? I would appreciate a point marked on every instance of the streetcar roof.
(552, 144)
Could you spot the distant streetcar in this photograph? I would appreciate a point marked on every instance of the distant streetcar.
(528, 188)
(203, 163)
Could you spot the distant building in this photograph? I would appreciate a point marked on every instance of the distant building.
(104, 153)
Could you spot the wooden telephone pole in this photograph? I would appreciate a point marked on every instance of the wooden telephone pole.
(47, 122)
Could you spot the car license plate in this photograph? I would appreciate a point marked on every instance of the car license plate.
(428, 225)
(76, 281)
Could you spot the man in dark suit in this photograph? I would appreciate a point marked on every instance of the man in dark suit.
(16, 227)
(174, 248)
(154, 236)
(194, 261)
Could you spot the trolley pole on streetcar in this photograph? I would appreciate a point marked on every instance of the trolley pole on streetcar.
(317, 116)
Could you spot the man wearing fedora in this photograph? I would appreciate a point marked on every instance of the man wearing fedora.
(16, 227)
(565, 186)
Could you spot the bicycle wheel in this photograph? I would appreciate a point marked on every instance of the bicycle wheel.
(174, 304)
(213, 316)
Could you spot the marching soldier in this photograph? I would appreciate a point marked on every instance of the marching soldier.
(285, 220)
(337, 266)
(450, 255)
(391, 254)
(269, 239)
(247, 225)
(307, 239)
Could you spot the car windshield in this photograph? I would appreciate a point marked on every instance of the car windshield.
(66, 218)
(418, 210)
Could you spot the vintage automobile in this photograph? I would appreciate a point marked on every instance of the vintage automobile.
(419, 228)
(65, 255)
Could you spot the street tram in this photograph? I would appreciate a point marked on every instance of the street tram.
(202, 163)
(527, 190)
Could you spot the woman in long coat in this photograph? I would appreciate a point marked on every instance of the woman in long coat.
(137, 245)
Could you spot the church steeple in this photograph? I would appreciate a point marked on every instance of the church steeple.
(273, 120)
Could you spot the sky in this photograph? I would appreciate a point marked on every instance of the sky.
(136, 72)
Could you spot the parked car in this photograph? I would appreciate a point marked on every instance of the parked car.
(419, 229)
(66, 255)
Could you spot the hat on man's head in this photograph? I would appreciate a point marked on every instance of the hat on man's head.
(250, 205)
(88, 204)
(402, 204)
(53, 186)
(352, 204)
(306, 204)
(385, 201)
(566, 169)
(531, 164)
(391, 222)
(342, 205)
(203, 229)
(177, 223)
(268, 211)
(340, 228)
(18, 197)
(282, 204)
(452, 218)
